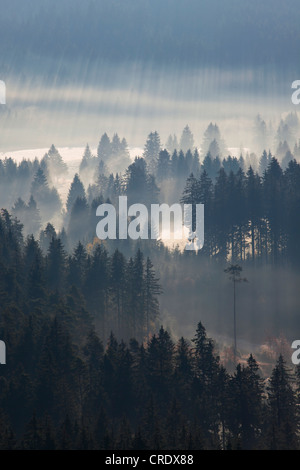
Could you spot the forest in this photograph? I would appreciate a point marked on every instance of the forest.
(251, 203)
(64, 388)
(90, 362)
(155, 343)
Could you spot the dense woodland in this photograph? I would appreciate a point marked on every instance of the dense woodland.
(64, 388)
(251, 204)
(127, 344)
(89, 365)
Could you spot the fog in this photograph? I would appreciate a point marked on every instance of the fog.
(267, 305)
(135, 98)
(82, 69)
(118, 334)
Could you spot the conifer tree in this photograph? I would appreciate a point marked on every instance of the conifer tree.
(56, 264)
(152, 290)
(151, 151)
(282, 404)
(76, 190)
(186, 140)
(104, 148)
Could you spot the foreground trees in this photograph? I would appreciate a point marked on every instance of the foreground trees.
(161, 395)
(88, 367)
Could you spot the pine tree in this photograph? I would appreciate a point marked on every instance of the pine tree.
(263, 163)
(104, 149)
(152, 290)
(214, 149)
(183, 373)
(137, 182)
(191, 195)
(136, 306)
(56, 389)
(206, 370)
(172, 144)
(94, 353)
(282, 405)
(260, 129)
(246, 415)
(118, 292)
(163, 166)
(273, 191)
(39, 182)
(53, 164)
(174, 164)
(212, 134)
(182, 167)
(253, 196)
(151, 151)
(77, 265)
(46, 237)
(86, 159)
(120, 158)
(79, 219)
(195, 168)
(96, 286)
(160, 360)
(56, 265)
(87, 166)
(34, 267)
(186, 140)
(220, 220)
(102, 179)
(33, 212)
(48, 199)
(76, 190)
(292, 197)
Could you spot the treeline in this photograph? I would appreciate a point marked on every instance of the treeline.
(251, 206)
(15, 180)
(248, 216)
(66, 387)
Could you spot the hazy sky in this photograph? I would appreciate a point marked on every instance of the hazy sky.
(76, 69)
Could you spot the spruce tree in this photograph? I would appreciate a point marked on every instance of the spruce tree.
(282, 407)
(76, 190)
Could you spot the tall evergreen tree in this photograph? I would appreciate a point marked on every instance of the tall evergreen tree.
(151, 150)
(152, 291)
(186, 140)
(76, 190)
(282, 404)
(56, 264)
(104, 148)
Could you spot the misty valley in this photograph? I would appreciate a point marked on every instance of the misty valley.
(134, 342)
(149, 227)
